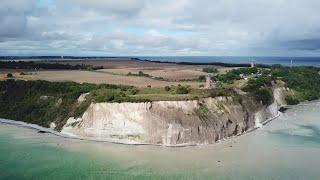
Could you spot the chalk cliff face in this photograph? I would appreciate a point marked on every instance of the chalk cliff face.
(171, 122)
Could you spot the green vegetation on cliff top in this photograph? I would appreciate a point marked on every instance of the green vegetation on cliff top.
(304, 81)
(42, 102)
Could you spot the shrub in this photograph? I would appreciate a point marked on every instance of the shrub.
(238, 99)
(109, 96)
(291, 100)
(140, 73)
(264, 95)
(202, 78)
(78, 112)
(210, 70)
(160, 79)
(167, 88)
(133, 91)
(221, 92)
(9, 75)
(202, 112)
(182, 90)
(254, 84)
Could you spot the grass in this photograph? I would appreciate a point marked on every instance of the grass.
(157, 94)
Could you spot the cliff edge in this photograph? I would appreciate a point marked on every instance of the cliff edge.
(173, 123)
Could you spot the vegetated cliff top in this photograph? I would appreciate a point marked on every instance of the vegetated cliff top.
(41, 102)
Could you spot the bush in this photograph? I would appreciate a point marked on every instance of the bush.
(210, 70)
(9, 75)
(221, 92)
(167, 88)
(202, 78)
(264, 95)
(133, 91)
(140, 73)
(291, 100)
(182, 90)
(109, 96)
(254, 84)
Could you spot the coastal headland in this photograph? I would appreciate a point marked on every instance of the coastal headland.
(128, 100)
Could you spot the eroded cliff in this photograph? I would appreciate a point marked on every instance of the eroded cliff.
(172, 122)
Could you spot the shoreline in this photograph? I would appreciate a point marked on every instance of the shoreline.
(86, 59)
(219, 62)
(41, 129)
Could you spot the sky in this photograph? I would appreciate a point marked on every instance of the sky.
(160, 28)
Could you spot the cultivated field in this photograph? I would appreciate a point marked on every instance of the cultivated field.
(116, 70)
(170, 73)
(16, 74)
(100, 78)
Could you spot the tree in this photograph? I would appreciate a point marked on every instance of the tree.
(167, 88)
(9, 75)
(264, 95)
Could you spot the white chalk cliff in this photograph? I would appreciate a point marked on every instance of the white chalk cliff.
(172, 122)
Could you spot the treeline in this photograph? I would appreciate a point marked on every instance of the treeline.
(205, 64)
(305, 81)
(53, 57)
(43, 102)
(41, 65)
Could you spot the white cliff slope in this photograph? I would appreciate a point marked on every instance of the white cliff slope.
(170, 122)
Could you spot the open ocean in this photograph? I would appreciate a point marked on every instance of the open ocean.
(286, 61)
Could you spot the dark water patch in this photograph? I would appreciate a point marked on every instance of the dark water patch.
(304, 134)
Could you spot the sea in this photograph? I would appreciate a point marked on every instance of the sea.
(287, 148)
(267, 60)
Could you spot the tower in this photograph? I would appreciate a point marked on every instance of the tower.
(253, 63)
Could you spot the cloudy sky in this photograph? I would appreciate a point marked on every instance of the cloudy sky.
(162, 27)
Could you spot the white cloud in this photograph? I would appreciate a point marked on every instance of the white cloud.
(182, 27)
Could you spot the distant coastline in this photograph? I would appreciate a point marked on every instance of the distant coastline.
(224, 61)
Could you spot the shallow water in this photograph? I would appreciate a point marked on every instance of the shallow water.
(287, 148)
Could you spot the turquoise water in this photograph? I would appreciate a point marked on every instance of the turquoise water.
(287, 148)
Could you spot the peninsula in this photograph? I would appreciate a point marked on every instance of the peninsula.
(132, 101)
